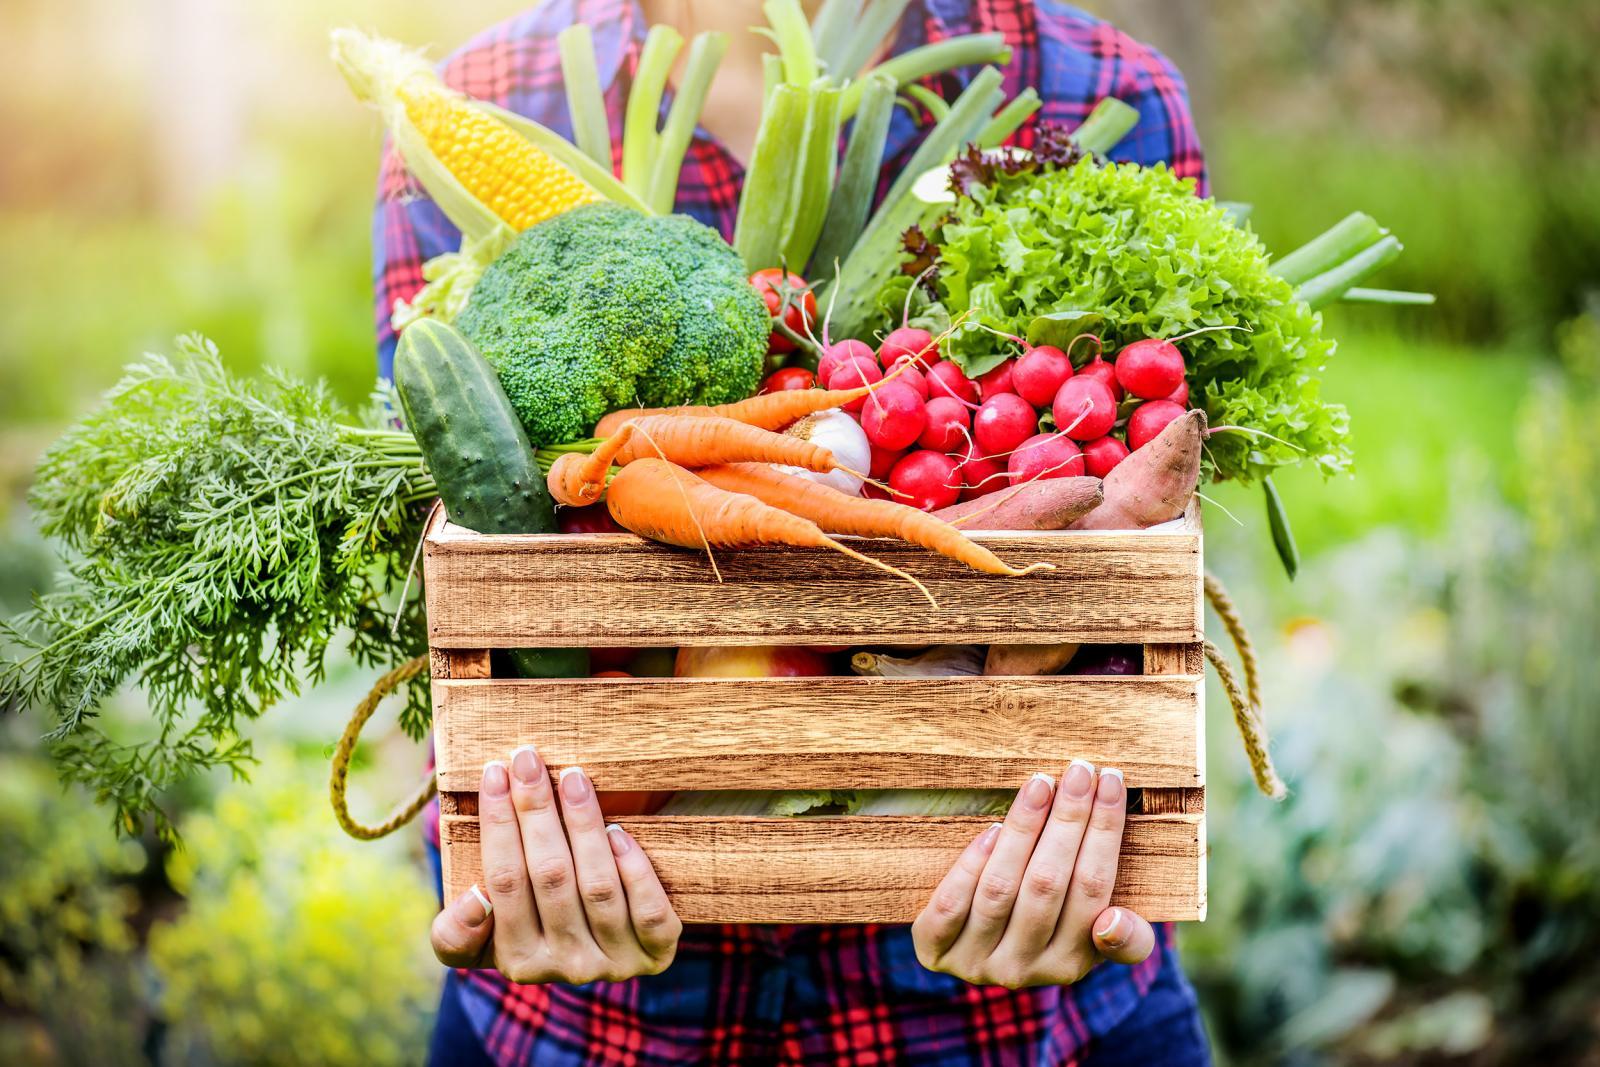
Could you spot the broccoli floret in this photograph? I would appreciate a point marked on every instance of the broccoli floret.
(602, 307)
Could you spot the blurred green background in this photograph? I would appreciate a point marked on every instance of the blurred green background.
(1430, 892)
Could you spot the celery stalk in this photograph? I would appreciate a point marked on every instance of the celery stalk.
(858, 177)
(1109, 122)
(764, 202)
(585, 102)
(921, 94)
(873, 23)
(1330, 285)
(1330, 248)
(813, 176)
(830, 34)
(875, 256)
(705, 53)
(639, 136)
(1359, 295)
(771, 75)
(1009, 119)
(948, 54)
(793, 34)
(968, 115)
(567, 154)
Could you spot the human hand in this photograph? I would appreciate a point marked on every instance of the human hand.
(572, 899)
(1026, 904)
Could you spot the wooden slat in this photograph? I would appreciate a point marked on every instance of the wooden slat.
(459, 662)
(616, 589)
(822, 733)
(850, 870)
(1184, 659)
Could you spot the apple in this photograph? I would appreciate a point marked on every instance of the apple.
(751, 661)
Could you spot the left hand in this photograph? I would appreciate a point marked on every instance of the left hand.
(1027, 902)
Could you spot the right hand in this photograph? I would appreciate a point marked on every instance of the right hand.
(572, 900)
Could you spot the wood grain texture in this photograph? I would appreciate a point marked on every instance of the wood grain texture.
(459, 662)
(1184, 659)
(821, 733)
(862, 869)
(619, 590)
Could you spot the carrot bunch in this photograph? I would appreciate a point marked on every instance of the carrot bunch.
(705, 478)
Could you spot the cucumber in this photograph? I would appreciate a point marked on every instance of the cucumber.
(478, 453)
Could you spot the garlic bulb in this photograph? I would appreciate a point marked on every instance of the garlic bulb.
(839, 434)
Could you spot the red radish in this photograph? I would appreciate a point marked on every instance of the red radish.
(1180, 395)
(788, 378)
(927, 480)
(947, 379)
(980, 474)
(1150, 369)
(947, 425)
(909, 376)
(908, 342)
(1084, 408)
(1045, 455)
(837, 353)
(1105, 372)
(1103, 454)
(894, 416)
(1039, 372)
(1149, 419)
(852, 373)
(997, 380)
(1003, 422)
(872, 492)
(883, 461)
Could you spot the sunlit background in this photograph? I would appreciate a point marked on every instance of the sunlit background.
(1430, 893)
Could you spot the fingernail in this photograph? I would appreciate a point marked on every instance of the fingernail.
(473, 906)
(1116, 929)
(525, 764)
(1037, 793)
(1079, 779)
(1110, 792)
(986, 839)
(495, 782)
(621, 842)
(574, 785)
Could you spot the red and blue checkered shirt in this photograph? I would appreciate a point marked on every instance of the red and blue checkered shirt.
(803, 995)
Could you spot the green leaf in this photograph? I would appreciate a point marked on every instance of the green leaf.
(1282, 536)
(1061, 328)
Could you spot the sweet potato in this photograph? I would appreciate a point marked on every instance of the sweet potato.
(1028, 659)
(1154, 483)
(1046, 504)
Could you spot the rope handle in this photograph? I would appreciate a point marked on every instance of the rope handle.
(338, 784)
(1246, 699)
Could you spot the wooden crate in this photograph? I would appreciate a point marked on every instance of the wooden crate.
(607, 590)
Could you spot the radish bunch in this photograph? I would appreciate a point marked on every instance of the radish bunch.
(939, 437)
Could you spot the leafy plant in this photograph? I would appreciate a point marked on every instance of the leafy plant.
(218, 536)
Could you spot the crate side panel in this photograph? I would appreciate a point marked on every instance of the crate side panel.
(822, 733)
(615, 589)
(851, 870)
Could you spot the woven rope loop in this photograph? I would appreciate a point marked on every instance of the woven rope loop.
(1246, 699)
(339, 782)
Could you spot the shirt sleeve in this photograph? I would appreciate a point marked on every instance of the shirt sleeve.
(408, 229)
(1165, 133)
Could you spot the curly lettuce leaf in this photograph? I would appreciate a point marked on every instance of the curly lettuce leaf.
(1135, 246)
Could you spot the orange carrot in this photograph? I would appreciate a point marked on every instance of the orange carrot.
(839, 513)
(689, 441)
(671, 504)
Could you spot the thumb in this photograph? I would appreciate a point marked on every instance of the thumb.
(1123, 937)
(461, 931)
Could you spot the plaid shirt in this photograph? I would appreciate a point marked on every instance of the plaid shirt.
(791, 995)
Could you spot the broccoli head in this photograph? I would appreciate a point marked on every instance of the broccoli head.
(602, 307)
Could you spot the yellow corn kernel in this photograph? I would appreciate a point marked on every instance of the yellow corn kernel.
(503, 170)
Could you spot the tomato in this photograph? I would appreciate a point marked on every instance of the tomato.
(771, 283)
(788, 378)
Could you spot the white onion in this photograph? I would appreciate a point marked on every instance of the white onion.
(841, 435)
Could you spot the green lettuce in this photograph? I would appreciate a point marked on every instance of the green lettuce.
(1134, 249)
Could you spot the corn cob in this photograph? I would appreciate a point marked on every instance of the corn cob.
(515, 180)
